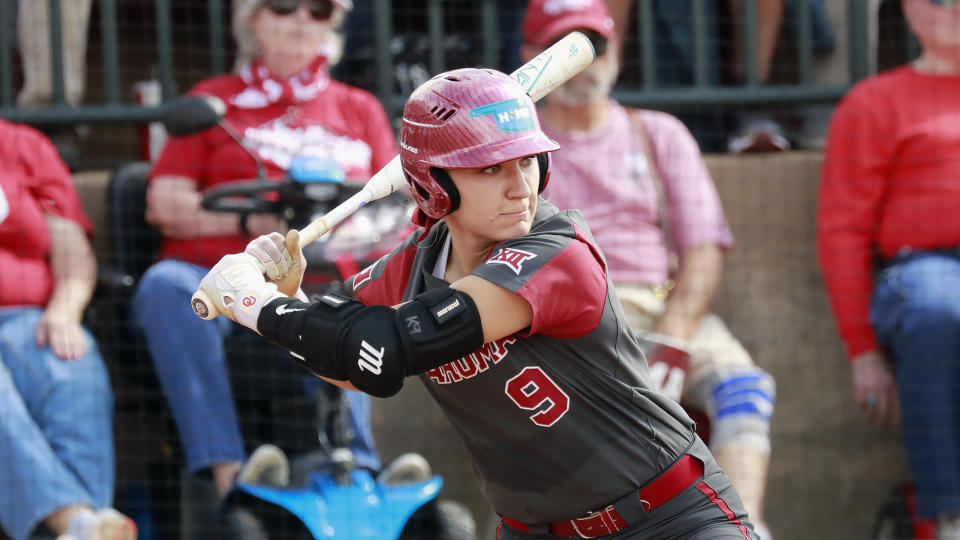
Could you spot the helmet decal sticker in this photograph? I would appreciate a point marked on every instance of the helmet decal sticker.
(511, 115)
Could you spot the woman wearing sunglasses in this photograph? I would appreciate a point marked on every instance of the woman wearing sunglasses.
(314, 21)
(283, 103)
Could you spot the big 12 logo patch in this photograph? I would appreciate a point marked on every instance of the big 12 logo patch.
(513, 258)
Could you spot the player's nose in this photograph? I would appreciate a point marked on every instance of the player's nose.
(519, 180)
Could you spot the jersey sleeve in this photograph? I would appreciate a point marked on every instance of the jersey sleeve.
(50, 180)
(385, 281)
(559, 272)
(853, 184)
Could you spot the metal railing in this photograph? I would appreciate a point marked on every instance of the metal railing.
(114, 109)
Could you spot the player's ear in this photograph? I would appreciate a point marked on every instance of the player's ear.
(528, 52)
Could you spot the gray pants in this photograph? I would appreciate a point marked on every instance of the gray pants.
(709, 509)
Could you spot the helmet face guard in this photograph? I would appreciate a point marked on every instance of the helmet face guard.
(465, 119)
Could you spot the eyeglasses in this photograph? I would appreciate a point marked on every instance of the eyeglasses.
(320, 10)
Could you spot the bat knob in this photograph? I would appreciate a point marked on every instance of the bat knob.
(202, 306)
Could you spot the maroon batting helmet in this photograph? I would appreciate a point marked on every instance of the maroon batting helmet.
(465, 119)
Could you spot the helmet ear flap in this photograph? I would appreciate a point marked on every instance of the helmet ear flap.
(446, 182)
(543, 161)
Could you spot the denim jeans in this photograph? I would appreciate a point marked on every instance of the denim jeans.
(916, 313)
(56, 434)
(188, 354)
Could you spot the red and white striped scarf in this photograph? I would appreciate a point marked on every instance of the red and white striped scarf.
(264, 88)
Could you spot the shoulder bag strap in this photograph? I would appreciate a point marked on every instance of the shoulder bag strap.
(663, 206)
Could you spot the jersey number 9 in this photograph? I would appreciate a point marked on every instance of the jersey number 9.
(533, 390)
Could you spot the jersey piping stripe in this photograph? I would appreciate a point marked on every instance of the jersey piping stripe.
(722, 505)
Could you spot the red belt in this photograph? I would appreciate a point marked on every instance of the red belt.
(668, 485)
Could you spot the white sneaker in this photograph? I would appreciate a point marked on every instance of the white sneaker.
(266, 466)
(758, 134)
(406, 469)
(948, 526)
(111, 525)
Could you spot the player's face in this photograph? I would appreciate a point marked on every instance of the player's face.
(289, 42)
(497, 202)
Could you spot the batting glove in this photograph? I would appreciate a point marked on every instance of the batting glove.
(237, 286)
(268, 249)
(282, 260)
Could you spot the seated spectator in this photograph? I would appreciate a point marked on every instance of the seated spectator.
(56, 435)
(888, 236)
(640, 181)
(284, 104)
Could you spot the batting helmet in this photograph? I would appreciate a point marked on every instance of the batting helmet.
(464, 119)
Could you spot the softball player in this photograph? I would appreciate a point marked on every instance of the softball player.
(504, 310)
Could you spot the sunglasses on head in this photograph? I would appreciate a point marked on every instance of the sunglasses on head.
(320, 10)
(599, 42)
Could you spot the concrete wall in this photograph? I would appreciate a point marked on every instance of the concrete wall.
(829, 470)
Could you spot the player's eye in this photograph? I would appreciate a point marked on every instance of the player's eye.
(493, 169)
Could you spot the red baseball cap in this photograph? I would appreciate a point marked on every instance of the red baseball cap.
(547, 20)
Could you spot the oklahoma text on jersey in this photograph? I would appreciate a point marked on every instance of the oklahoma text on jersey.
(473, 364)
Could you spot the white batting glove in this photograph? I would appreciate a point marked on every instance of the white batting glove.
(269, 250)
(237, 287)
(282, 260)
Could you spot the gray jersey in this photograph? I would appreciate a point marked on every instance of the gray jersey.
(561, 418)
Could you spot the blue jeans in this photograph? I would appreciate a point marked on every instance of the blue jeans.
(56, 434)
(916, 313)
(188, 354)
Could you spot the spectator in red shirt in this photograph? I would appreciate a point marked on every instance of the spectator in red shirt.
(56, 409)
(889, 245)
(284, 104)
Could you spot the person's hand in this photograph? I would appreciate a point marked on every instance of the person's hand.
(875, 389)
(62, 333)
(263, 224)
(237, 287)
(282, 259)
(269, 250)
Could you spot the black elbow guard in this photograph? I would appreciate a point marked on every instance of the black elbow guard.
(382, 346)
(438, 327)
(371, 353)
(375, 347)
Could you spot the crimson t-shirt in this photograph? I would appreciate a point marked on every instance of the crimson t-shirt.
(890, 180)
(33, 181)
(342, 122)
